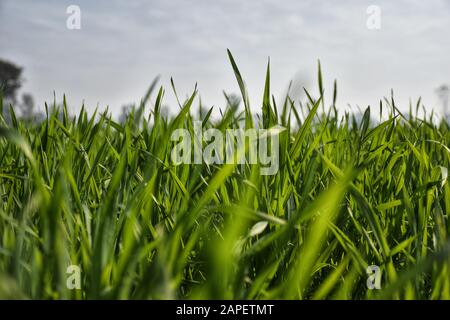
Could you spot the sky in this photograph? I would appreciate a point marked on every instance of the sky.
(123, 45)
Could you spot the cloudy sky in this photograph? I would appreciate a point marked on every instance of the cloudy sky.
(123, 45)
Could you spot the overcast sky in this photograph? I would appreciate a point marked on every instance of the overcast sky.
(123, 45)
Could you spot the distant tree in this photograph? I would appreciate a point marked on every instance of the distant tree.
(443, 94)
(126, 110)
(10, 80)
(165, 111)
(27, 107)
(10, 83)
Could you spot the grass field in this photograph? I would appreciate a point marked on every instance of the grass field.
(88, 191)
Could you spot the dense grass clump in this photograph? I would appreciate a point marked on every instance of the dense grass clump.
(91, 192)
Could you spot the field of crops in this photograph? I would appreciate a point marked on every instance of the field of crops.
(91, 194)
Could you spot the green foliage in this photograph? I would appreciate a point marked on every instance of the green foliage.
(88, 191)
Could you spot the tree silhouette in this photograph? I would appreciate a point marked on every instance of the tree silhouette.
(10, 83)
(27, 107)
(10, 80)
(443, 93)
